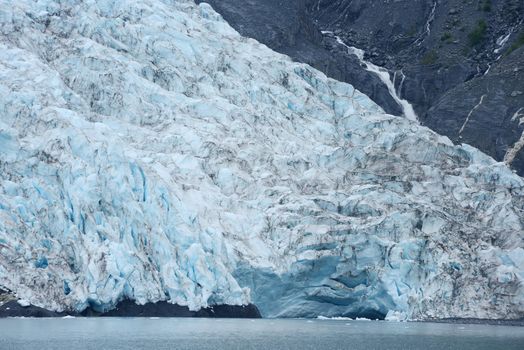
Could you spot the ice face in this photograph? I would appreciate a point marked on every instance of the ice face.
(150, 152)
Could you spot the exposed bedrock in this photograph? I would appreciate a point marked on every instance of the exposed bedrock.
(129, 308)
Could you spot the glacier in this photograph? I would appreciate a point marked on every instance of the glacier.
(149, 152)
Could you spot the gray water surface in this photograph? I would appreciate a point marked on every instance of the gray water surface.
(216, 334)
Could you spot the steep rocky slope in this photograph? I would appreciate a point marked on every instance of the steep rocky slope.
(444, 57)
(149, 152)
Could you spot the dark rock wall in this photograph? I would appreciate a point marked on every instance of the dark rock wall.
(449, 53)
(128, 308)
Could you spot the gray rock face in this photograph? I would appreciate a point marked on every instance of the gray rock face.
(128, 308)
(494, 122)
(450, 53)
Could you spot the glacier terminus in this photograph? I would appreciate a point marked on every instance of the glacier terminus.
(148, 152)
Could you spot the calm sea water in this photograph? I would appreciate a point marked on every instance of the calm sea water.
(202, 334)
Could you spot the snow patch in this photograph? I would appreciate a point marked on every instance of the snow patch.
(24, 303)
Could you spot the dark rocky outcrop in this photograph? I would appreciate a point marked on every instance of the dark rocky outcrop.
(484, 111)
(14, 309)
(451, 53)
(129, 308)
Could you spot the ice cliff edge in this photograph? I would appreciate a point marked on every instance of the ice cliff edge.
(149, 152)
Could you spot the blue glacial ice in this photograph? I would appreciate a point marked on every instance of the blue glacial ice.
(149, 152)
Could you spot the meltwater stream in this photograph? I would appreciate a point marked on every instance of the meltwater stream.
(203, 334)
(382, 73)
